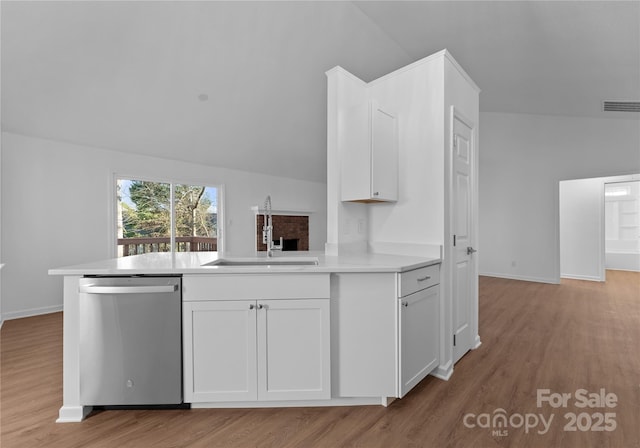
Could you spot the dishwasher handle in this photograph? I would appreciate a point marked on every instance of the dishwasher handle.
(94, 289)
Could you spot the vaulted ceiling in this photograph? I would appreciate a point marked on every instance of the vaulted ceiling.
(242, 84)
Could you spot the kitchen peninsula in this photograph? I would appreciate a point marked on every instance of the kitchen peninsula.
(353, 324)
(344, 330)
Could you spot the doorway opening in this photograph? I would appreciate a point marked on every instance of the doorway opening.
(599, 226)
(622, 225)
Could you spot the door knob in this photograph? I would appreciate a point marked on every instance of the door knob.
(470, 250)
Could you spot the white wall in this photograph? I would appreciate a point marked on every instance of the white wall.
(1, 258)
(55, 200)
(581, 232)
(415, 223)
(416, 95)
(345, 229)
(522, 159)
(1, 262)
(1, 318)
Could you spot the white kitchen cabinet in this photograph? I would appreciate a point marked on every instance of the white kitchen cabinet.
(419, 336)
(293, 350)
(241, 349)
(220, 357)
(419, 325)
(388, 331)
(365, 334)
(437, 108)
(369, 169)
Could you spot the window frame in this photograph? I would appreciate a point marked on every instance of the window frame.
(173, 181)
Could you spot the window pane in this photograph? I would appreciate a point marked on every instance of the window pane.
(143, 217)
(196, 218)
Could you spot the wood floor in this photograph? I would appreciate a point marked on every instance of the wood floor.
(577, 335)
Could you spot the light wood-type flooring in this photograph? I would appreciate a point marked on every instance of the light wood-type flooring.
(576, 335)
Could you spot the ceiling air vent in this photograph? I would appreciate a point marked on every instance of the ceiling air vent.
(621, 106)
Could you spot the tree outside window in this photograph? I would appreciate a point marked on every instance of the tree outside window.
(144, 217)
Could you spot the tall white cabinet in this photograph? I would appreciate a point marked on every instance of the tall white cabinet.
(425, 98)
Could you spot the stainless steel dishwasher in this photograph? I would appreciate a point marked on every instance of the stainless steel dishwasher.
(130, 341)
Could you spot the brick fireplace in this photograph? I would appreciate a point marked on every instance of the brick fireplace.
(294, 231)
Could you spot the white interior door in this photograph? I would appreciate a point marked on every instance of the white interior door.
(463, 272)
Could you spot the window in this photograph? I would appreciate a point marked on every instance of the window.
(163, 217)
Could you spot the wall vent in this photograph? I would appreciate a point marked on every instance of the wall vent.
(621, 106)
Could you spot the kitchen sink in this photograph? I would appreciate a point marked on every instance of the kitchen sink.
(293, 261)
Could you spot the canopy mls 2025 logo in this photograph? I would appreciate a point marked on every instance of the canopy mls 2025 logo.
(499, 422)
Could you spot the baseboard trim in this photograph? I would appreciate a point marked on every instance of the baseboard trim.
(620, 269)
(581, 277)
(338, 401)
(443, 372)
(476, 343)
(520, 277)
(31, 312)
(73, 414)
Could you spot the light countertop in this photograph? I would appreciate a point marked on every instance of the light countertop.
(195, 263)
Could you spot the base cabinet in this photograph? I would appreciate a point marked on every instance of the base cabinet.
(365, 334)
(419, 325)
(387, 329)
(220, 353)
(249, 350)
(419, 336)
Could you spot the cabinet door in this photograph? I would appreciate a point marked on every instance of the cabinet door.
(293, 350)
(419, 336)
(384, 155)
(219, 351)
(369, 154)
(355, 142)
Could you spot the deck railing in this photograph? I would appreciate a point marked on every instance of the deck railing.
(136, 246)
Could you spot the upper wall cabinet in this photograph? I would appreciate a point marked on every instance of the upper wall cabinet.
(370, 154)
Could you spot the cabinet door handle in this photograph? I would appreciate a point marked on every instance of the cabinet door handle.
(405, 304)
(252, 306)
(260, 306)
(422, 279)
(377, 193)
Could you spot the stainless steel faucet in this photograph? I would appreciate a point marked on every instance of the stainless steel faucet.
(267, 229)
